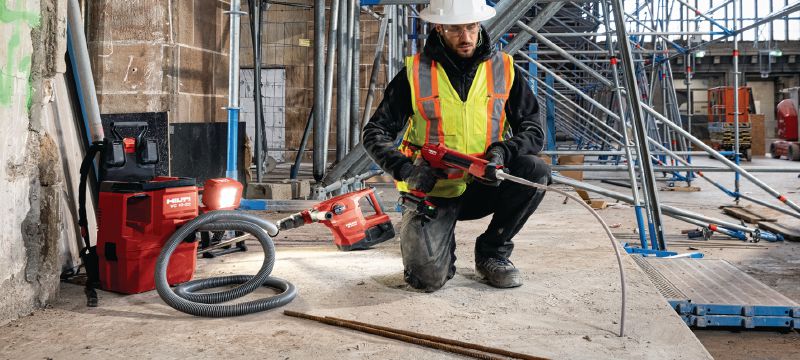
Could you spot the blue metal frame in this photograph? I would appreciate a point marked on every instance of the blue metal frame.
(551, 115)
(533, 52)
(744, 316)
(233, 143)
(658, 253)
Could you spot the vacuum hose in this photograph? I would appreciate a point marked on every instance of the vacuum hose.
(185, 298)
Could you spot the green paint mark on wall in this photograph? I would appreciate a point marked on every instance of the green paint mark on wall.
(7, 15)
(17, 64)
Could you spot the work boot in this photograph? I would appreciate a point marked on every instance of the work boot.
(499, 272)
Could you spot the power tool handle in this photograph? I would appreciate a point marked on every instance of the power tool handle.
(417, 201)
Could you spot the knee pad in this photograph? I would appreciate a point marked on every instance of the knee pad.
(427, 284)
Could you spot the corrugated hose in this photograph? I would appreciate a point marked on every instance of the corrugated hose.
(185, 297)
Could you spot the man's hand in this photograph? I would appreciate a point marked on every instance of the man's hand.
(421, 176)
(495, 156)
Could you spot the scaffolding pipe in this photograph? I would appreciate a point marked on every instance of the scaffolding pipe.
(637, 201)
(648, 184)
(255, 36)
(330, 62)
(376, 65)
(618, 152)
(736, 148)
(668, 210)
(233, 91)
(355, 79)
(745, 173)
(343, 81)
(320, 110)
(669, 168)
(564, 53)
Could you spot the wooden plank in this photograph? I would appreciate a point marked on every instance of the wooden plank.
(788, 233)
(681, 188)
(745, 214)
(598, 204)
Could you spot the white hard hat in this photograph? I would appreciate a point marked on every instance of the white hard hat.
(455, 12)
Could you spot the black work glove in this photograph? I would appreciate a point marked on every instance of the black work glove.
(421, 176)
(495, 155)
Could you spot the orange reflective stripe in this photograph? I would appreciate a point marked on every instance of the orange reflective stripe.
(420, 75)
(427, 97)
(507, 65)
(416, 76)
(437, 105)
(498, 79)
(507, 74)
(490, 106)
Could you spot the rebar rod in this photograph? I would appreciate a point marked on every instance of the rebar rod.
(441, 340)
(393, 335)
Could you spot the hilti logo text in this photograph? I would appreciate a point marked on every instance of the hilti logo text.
(179, 202)
(351, 225)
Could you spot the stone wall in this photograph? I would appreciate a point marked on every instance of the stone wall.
(172, 56)
(32, 34)
(288, 42)
(166, 56)
(160, 55)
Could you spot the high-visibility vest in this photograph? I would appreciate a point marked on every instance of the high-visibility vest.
(441, 117)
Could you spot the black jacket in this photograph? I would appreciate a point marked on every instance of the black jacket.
(393, 113)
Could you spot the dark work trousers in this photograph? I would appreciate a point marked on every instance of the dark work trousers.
(428, 246)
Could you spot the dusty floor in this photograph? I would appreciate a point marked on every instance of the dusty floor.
(568, 307)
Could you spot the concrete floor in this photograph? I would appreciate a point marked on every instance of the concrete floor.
(568, 307)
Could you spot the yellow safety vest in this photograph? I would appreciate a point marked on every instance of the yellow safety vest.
(441, 117)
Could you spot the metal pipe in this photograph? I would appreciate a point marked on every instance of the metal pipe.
(669, 168)
(343, 81)
(651, 193)
(771, 206)
(349, 181)
(389, 11)
(507, 13)
(704, 16)
(564, 53)
(653, 33)
(303, 142)
(355, 82)
(320, 134)
(255, 36)
(369, 11)
(637, 201)
(736, 148)
(376, 64)
(83, 72)
(330, 61)
(233, 90)
(542, 17)
(668, 210)
(618, 153)
(723, 159)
